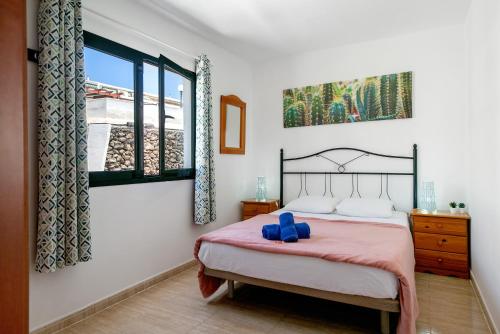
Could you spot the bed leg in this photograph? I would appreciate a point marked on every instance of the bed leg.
(384, 322)
(230, 289)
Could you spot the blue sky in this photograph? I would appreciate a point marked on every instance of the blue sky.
(115, 71)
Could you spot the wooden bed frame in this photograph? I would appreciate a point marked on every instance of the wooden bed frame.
(385, 305)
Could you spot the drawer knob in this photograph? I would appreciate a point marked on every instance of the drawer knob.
(441, 242)
(427, 226)
(440, 225)
(440, 260)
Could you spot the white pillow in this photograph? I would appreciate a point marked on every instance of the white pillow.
(312, 204)
(366, 207)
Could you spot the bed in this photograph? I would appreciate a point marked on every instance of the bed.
(351, 279)
(351, 283)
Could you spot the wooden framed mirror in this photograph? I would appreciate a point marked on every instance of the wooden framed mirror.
(232, 125)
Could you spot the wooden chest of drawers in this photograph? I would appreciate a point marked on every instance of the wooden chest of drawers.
(252, 207)
(441, 243)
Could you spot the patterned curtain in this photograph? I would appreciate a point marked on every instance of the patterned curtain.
(63, 199)
(204, 183)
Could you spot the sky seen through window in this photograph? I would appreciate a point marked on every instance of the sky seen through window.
(115, 71)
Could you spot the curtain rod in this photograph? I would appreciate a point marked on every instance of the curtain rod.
(138, 32)
(33, 54)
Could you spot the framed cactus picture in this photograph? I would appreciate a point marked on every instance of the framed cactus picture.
(377, 98)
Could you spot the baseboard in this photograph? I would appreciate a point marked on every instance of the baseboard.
(484, 307)
(111, 300)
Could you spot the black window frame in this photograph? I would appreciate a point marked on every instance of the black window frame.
(138, 58)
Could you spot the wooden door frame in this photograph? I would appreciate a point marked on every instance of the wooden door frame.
(14, 254)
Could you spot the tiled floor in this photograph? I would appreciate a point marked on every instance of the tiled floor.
(448, 305)
(175, 306)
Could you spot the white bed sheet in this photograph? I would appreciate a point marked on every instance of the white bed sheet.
(306, 271)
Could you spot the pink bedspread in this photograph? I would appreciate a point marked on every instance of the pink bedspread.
(380, 245)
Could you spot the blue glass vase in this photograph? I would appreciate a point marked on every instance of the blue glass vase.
(261, 189)
(428, 197)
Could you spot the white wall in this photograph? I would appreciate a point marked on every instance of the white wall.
(437, 59)
(139, 230)
(483, 50)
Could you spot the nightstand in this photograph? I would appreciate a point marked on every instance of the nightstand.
(442, 243)
(253, 207)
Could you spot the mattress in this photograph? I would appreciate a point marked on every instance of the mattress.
(305, 271)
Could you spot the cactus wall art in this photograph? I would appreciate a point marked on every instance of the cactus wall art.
(371, 99)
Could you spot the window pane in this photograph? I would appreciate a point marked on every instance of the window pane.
(151, 120)
(178, 121)
(109, 87)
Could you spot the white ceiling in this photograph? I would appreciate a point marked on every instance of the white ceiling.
(262, 29)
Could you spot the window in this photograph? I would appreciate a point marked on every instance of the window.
(178, 120)
(140, 115)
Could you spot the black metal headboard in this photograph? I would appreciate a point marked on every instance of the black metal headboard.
(341, 167)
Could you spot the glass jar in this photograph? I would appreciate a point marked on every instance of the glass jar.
(261, 189)
(428, 197)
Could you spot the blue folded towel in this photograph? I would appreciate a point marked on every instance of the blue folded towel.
(273, 231)
(288, 232)
(303, 230)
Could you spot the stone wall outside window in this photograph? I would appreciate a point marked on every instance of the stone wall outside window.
(120, 153)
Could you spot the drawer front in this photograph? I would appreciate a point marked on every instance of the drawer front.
(441, 242)
(255, 209)
(440, 225)
(441, 260)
